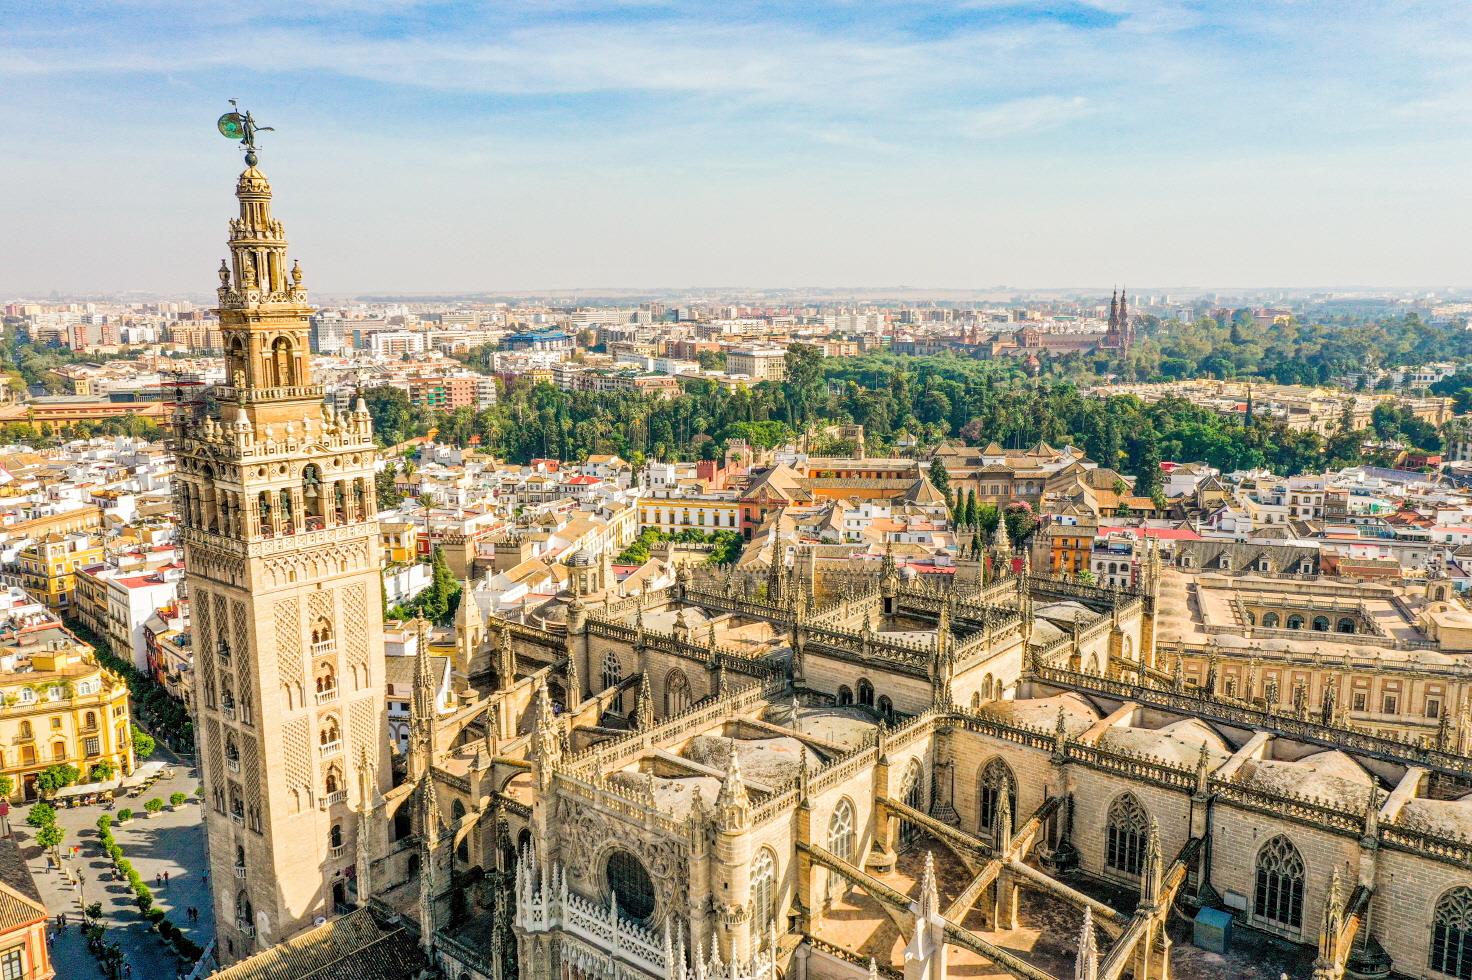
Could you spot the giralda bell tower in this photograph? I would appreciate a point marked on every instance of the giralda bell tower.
(275, 499)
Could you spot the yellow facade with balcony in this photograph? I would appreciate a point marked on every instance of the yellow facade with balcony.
(67, 709)
(48, 568)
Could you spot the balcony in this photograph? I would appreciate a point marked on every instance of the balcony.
(247, 931)
(323, 697)
(238, 817)
(341, 796)
(232, 764)
(337, 852)
(324, 648)
(240, 871)
(331, 748)
(228, 710)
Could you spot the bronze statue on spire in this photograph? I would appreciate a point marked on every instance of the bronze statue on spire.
(242, 126)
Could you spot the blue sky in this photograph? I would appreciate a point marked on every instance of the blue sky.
(495, 146)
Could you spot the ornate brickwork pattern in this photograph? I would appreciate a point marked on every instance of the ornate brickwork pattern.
(221, 617)
(204, 632)
(365, 734)
(214, 759)
(296, 741)
(355, 615)
(251, 767)
(288, 622)
(241, 638)
(319, 606)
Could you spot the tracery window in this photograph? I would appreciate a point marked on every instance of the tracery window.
(866, 692)
(764, 893)
(995, 779)
(914, 796)
(1278, 898)
(1128, 829)
(677, 695)
(631, 883)
(841, 831)
(613, 672)
(1451, 935)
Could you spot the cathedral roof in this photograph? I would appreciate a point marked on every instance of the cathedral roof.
(361, 945)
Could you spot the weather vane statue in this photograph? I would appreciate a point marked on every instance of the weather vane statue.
(236, 125)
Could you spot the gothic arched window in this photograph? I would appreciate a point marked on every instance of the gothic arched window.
(841, 831)
(1278, 898)
(677, 696)
(764, 893)
(866, 692)
(1128, 830)
(1451, 934)
(334, 836)
(995, 778)
(845, 696)
(613, 672)
(913, 791)
(243, 914)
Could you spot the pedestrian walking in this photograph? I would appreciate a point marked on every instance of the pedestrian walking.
(158, 881)
(166, 877)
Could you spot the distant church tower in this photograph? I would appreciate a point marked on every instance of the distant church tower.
(275, 499)
(1120, 336)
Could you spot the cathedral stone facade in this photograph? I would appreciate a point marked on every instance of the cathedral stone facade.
(751, 776)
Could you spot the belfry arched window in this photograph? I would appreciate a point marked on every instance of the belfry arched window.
(1295, 622)
(763, 893)
(995, 779)
(841, 831)
(1321, 624)
(283, 370)
(1127, 831)
(1270, 621)
(1451, 935)
(1278, 897)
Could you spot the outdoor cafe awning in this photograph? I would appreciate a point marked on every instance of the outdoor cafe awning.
(143, 774)
(87, 789)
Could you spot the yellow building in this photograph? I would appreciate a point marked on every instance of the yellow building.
(398, 540)
(65, 709)
(48, 568)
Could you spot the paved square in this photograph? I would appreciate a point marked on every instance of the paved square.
(172, 842)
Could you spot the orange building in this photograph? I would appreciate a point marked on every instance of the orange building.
(23, 917)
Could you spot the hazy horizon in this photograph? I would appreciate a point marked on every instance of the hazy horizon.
(455, 149)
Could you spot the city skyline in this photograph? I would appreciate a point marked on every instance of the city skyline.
(438, 149)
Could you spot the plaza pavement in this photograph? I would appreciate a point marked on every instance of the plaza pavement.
(172, 841)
